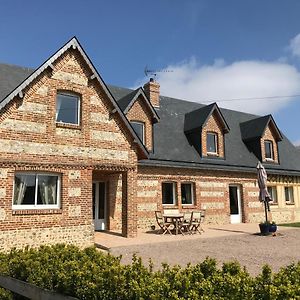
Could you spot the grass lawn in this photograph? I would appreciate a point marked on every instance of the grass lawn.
(297, 224)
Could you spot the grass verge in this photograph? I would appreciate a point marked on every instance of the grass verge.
(297, 224)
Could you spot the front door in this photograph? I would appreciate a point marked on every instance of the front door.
(235, 204)
(99, 205)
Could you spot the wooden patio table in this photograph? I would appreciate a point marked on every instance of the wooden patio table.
(174, 218)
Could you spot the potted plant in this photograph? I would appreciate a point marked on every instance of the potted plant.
(264, 228)
(273, 228)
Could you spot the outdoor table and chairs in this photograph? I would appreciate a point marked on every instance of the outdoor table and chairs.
(189, 222)
(173, 218)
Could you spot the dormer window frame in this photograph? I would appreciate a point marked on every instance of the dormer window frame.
(271, 157)
(215, 135)
(143, 129)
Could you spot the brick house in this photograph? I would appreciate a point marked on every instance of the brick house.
(77, 155)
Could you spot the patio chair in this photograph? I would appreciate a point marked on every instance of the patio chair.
(186, 223)
(164, 226)
(203, 212)
(196, 223)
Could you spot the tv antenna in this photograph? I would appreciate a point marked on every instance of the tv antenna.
(153, 73)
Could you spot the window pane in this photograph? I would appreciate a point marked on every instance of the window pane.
(269, 149)
(139, 130)
(24, 190)
(168, 193)
(47, 190)
(273, 193)
(289, 194)
(211, 143)
(67, 107)
(186, 193)
(233, 197)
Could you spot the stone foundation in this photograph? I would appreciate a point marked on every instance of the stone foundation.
(81, 235)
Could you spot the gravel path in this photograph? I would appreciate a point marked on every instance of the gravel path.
(251, 250)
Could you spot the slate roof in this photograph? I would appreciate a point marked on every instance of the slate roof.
(197, 118)
(125, 101)
(10, 77)
(173, 149)
(171, 146)
(255, 128)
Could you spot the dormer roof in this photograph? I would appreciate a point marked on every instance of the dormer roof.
(255, 128)
(127, 101)
(198, 118)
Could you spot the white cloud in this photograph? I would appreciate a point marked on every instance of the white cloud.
(294, 46)
(243, 79)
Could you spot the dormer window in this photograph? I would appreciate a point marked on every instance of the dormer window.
(68, 108)
(269, 151)
(139, 128)
(211, 143)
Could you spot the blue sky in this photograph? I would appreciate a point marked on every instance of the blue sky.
(216, 49)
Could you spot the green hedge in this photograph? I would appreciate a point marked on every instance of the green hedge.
(90, 274)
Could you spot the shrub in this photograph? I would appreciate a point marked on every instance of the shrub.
(90, 274)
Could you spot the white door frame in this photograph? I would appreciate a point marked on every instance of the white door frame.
(100, 224)
(236, 218)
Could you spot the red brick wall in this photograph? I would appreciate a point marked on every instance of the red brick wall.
(31, 140)
(269, 135)
(213, 125)
(211, 191)
(140, 112)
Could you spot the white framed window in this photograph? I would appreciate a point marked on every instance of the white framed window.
(273, 194)
(139, 128)
(187, 193)
(36, 191)
(269, 151)
(168, 193)
(212, 143)
(67, 108)
(289, 194)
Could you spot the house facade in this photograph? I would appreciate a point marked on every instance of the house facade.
(77, 155)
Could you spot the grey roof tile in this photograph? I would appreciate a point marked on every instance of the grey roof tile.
(10, 77)
(196, 119)
(124, 102)
(255, 128)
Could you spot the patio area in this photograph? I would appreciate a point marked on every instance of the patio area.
(240, 242)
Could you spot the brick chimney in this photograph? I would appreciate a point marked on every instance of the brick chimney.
(151, 89)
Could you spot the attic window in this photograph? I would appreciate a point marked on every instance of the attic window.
(139, 128)
(211, 143)
(269, 153)
(68, 108)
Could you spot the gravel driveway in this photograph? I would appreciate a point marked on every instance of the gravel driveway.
(251, 250)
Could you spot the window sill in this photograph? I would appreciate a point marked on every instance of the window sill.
(212, 154)
(47, 211)
(170, 205)
(290, 204)
(68, 126)
(271, 161)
